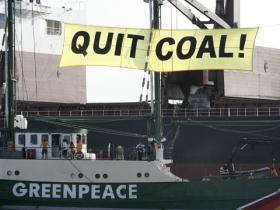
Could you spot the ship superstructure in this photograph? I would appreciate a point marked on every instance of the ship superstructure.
(38, 44)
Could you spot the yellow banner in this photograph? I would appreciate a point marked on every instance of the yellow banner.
(159, 50)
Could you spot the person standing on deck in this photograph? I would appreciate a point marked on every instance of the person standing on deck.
(109, 150)
(64, 148)
(273, 171)
(140, 149)
(72, 150)
(119, 153)
(45, 146)
(79, 154)
(10, 145)
(79, 146)
(151, 151)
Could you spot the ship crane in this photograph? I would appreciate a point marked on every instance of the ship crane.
(213, 18)
(226, 16)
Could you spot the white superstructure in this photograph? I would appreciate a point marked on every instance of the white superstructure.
(262, 83)
(39, 41)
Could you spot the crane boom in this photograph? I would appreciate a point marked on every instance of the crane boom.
(201, 8)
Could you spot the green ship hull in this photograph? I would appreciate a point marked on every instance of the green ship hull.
(215, 194)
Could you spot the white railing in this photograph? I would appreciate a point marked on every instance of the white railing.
(224, 112)
(22, 152)
(87, 113)
(187, 112)
(128, 153)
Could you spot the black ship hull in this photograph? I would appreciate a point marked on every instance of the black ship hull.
(198, 146)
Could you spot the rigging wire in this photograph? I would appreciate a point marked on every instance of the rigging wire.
(147, 72)
(16, 57)
(21, 52)
(103, 120)
(170, 143)
(95, 129)
(14, 79)
(34, 52)
(253, 132)
(3, 40)
(21, 60)
(171, 29)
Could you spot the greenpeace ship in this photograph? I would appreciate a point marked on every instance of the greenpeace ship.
(222, 139)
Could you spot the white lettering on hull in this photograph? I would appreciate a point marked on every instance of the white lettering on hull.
(83, 189)
(34, 190)
(74, 191)
(56, 190)
(69, 191)
(95, 192)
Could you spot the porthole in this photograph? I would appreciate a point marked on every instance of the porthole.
(105, 176)
(9, 173)
(97, 176)
(147, 174)
(16, 172)
(80, 175)
(139, 175)
(72, 175)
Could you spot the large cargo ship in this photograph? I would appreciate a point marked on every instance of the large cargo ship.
(221, 112)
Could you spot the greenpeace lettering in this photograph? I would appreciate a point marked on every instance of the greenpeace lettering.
(75, 191)
(163, 50)
(19, 190)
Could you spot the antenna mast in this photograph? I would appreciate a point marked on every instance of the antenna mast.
(10, 73)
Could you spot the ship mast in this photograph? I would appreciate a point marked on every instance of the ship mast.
(213, 18)
(157, 81)
(10, 74)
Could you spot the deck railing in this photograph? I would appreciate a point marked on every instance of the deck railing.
(87, 113)
(185, 113)
(127, 153)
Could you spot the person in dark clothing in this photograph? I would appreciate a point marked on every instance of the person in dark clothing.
(140, 149)
(72, 150)
(65, 148)
(151, 151)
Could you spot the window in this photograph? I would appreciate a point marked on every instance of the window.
(84, 139)
(53, 27)
(2, 21)
(34, 139)
(67, 138)
(21, 139)
(45, 136)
